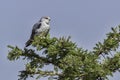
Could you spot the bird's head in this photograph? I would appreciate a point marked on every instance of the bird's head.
(45, 19)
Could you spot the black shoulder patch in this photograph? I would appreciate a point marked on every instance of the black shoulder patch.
(38, 26)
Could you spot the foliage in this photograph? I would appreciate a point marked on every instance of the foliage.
(69, 61)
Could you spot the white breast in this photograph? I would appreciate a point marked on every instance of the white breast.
(44, 27)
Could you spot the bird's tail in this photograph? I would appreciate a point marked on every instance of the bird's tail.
(28, 43)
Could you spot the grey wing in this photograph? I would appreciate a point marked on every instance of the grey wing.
(35, 27)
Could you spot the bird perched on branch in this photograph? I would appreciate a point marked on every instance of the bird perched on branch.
(41, 28)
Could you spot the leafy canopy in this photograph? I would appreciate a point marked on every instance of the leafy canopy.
(69, 62)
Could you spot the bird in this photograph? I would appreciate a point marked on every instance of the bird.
(41, 28)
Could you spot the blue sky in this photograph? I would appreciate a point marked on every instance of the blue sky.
(86, 21)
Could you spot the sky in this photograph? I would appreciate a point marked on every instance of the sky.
(86, 21)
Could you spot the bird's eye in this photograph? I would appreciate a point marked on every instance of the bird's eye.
(46, 18)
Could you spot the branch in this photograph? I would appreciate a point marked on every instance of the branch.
(111, 43)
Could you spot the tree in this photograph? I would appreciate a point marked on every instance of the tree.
(69, 62)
